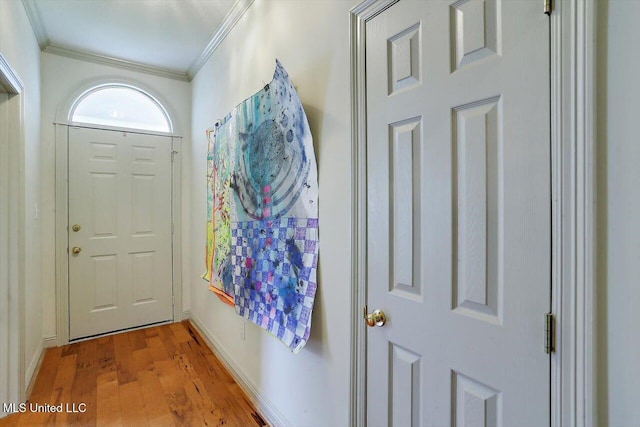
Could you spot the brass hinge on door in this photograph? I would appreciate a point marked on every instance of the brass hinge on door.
(549, 329)
(173, 156)
(547, 6)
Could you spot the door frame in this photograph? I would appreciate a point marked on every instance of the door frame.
(62, 220)
(13, 336)
(573, 208)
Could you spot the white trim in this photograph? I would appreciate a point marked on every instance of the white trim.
(358, 386)
(62, 224)
(19, 156)
(176, 226)
(62, 236)
(7, 370)
(36, 22)
(62, 124)
(9, 80)
(359, 15)
(65, 109)
(573, 28)
(228, 23)
(266, 408)
(104, 86)
(13, 336)
(115, 62)
(34, 368)
(116, 129)
(186, 315)
(121, 331)
(50, 342)
(572, 33)
(230, 20)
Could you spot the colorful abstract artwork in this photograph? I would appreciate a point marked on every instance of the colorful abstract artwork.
(262, 230)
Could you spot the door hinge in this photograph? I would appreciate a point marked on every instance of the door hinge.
(547, 6)
(173, 156)
(172, 228)
(549, 332)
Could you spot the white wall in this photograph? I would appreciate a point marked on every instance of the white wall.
(61, 77)
(619, 213)
(311, 39)
(18, 44)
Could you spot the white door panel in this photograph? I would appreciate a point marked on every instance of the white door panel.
(458, 213)
(120, 196)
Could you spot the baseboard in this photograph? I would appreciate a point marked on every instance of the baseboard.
(267, 409)
(50, 342)
(185, 315)
(34, 368)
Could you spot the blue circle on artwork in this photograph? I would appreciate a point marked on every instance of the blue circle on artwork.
(271, 171)
(271, 164)
(265, 153)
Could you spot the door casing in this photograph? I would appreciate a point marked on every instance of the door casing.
(572, 111)
(62, 224)
(12, 370)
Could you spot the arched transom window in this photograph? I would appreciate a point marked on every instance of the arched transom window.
(122, 106)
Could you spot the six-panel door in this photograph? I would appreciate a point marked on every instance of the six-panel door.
(120, 205)
(458, 161)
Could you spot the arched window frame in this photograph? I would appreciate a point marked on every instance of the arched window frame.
(102, 86)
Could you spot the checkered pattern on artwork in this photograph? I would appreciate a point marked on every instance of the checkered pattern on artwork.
(274, 264)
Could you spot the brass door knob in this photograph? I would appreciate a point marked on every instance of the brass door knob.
(76, 227)
(377, 318)
(76, 250)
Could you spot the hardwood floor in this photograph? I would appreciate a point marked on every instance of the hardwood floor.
(160, 376)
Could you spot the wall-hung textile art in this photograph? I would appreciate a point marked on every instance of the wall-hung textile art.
(262, 246)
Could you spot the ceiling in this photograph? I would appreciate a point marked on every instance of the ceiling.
(172, 38)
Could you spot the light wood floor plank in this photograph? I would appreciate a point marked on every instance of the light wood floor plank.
(169, 341)
(142, 360)
(156, 408)
(156, 349)
(180, 332)
(62, 386)
(159, 376)
(137, 339)
(130, 403)
(124, 358)
(108, 397)
(84, 385)
(105, 355)
(174, 394)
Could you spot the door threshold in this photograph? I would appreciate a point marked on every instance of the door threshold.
(117, 331)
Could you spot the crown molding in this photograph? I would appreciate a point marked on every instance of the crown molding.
(9, 80)
(114, 62)
(228, 23)
(36, 23)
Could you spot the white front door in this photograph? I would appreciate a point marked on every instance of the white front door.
(458, 187)
(120, 269)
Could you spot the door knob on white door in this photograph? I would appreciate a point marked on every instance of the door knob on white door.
(377, 318)
(76, 250)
